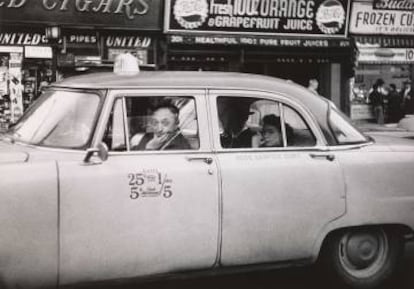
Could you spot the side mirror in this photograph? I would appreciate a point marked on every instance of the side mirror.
(101, 150)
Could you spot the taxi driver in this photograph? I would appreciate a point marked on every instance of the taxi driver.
(165, 133)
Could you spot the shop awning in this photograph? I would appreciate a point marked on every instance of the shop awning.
(257, 41)
(385, 41)
(381, 55)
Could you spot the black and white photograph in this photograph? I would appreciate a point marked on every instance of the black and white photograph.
(206, 144)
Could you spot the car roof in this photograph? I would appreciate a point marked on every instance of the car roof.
(202, 80)
(190, 79)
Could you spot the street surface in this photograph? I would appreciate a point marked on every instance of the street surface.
(391, 129)
(310, 277)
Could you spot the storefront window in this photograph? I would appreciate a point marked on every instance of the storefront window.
(367, 74)
(36, 74)
(4, 92)
(393, 74)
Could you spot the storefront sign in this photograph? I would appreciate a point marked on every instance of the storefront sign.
(140, 54)
(407, 5)
(140, 46)
(11, 49)
(22, 38)
(137, 14)
(38, 52)
(286, 17)
(15, 86)
(256, 41)
(367, 20)
(81, 38)
(4, 88)
(128, 41)
(384, 55)
(125, 40)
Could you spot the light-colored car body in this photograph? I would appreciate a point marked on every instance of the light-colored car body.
(67, 220)
(407, 123)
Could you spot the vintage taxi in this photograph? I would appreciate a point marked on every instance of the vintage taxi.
(83, 200)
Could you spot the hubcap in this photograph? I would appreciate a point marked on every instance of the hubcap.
(363, 253)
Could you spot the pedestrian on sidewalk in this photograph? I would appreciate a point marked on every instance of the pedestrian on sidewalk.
(407, 95)
(313, 85)
(395, 109)
(376, 98)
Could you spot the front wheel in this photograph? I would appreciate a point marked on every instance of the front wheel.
(364, 258)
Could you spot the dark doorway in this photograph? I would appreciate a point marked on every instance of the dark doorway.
(297, 72)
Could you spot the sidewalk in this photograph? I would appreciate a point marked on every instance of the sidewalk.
(391, 129)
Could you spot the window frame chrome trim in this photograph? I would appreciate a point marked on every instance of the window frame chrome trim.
(331, 106)
(194, 93)
(282, 99)
(125, 124)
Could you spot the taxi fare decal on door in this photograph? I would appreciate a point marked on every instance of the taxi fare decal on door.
(149, 183)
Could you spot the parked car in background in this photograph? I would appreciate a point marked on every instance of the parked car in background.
(407, 123)
(95, 186)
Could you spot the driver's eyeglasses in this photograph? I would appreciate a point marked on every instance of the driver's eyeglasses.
(164, 122)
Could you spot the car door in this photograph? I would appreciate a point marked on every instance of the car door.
(141, 212)
(275, 199)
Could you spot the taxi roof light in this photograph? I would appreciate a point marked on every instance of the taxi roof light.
(126, 64)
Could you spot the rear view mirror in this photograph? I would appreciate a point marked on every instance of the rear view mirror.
(101, 150)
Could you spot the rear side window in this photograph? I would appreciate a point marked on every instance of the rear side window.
(152, 123)
(344, 132)
(250, 122)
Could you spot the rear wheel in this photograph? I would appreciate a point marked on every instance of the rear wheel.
(364, 258)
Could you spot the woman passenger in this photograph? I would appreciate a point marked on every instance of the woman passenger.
(271, 135)
(271, 132)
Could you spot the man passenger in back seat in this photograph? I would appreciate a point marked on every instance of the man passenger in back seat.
(233, 115)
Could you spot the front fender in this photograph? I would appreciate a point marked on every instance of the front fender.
(29, 225)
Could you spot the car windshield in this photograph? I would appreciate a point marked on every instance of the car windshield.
(59, 118)
(345, 133)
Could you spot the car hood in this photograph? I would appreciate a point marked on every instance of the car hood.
(395, 143)
(16, 152)
(11, 153)
(13, 157)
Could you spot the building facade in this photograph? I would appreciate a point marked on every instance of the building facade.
(296, 40)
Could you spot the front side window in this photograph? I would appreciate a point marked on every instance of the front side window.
(153, 123)
(343, 130)
(258, 123)
(61, 119)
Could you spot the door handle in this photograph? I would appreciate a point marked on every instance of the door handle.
(329, 157)
(207, 160)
